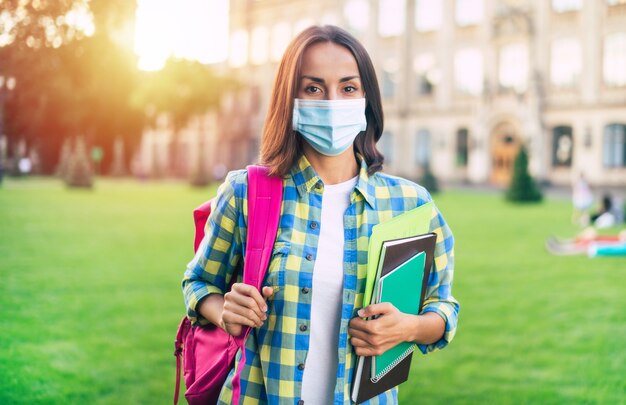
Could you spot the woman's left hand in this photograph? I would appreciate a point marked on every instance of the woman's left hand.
(375, 336)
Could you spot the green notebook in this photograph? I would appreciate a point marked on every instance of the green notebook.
(400, 287)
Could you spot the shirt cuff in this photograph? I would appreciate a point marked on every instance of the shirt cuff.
(192, 313)
(449, 314)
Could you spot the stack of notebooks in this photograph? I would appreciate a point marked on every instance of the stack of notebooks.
(400, 258)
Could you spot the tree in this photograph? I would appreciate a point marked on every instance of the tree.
(72, 76)
(183, 89)
(76, 75)
(523, 187)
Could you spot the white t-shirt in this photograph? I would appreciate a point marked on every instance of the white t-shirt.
(319, 378)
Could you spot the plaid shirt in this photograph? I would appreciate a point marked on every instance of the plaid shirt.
(277, 351)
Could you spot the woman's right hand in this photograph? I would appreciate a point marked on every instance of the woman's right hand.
(244, 306)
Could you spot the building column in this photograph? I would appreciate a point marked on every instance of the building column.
(445, 54)
(592, 51)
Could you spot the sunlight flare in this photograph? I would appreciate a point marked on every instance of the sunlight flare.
(189, 29)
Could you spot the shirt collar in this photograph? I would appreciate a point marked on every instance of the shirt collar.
(304, 176)
(364, 186)
(305, 179)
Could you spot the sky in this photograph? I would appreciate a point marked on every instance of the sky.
(189, 29)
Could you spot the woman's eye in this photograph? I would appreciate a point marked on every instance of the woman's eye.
(349, 89)
(312, 89)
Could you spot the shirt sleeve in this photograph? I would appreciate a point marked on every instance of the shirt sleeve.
(219, 254)
(439, 297)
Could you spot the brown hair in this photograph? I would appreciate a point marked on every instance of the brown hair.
(281, 146)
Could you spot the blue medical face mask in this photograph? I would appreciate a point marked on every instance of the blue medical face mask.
(329, 126)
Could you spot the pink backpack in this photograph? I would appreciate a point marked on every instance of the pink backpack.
(207, 352)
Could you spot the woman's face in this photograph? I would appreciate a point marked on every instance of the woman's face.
(329, 72)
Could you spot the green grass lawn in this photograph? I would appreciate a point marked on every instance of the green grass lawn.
(90, 300)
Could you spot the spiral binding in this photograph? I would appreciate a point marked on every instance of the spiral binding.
(387, 369)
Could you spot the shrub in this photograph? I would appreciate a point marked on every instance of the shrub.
(428, 180)
(523, 187)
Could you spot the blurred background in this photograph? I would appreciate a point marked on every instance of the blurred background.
(155, 89)
(141, 108)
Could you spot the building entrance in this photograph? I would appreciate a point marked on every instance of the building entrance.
(505, 144)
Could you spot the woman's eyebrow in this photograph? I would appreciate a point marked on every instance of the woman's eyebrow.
(322, 81)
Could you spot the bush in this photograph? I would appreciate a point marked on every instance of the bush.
(428, 180)
(523, 187)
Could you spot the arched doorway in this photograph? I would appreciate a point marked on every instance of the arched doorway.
(505, 143)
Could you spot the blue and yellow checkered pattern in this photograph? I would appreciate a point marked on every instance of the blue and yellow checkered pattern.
(276, 352)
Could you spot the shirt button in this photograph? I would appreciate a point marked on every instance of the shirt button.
(318, 185)
(303, 328)
(313, 225)
(301, 402)
(301, 366)
(309, 257)
(305, 290)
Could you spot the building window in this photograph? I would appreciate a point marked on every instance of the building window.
(390, 74)
(238, 49)
(391, 17)
(565, 62)
(423, 148)
(468, 71)
(281, 35)
(513, 66)
(462, 143)
(614, 68)
(469, 12)
(562, 146)
(614, 152)
(385, 144)
(428, 15)
(357, 14)
(260, 45)
(563, 6)
(426, 72)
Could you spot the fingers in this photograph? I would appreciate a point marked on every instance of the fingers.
(362, 349)
(232, 327)
(360, 336)
(373, 337)
(243, 305)
(360, 324)
(368, 344)
(267, 292)
(234, 313)
(376, 309)
(250, 291)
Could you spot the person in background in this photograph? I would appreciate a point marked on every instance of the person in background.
(582, 201)
(604, 216)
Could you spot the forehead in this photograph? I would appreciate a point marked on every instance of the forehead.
(328, 58)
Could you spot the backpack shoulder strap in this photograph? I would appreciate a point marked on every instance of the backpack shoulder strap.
(264, 202)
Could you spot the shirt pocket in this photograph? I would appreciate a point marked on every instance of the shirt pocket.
(275, 276)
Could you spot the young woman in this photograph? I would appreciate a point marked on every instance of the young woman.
(320, 136)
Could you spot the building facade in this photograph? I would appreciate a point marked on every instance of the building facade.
(464, 83)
